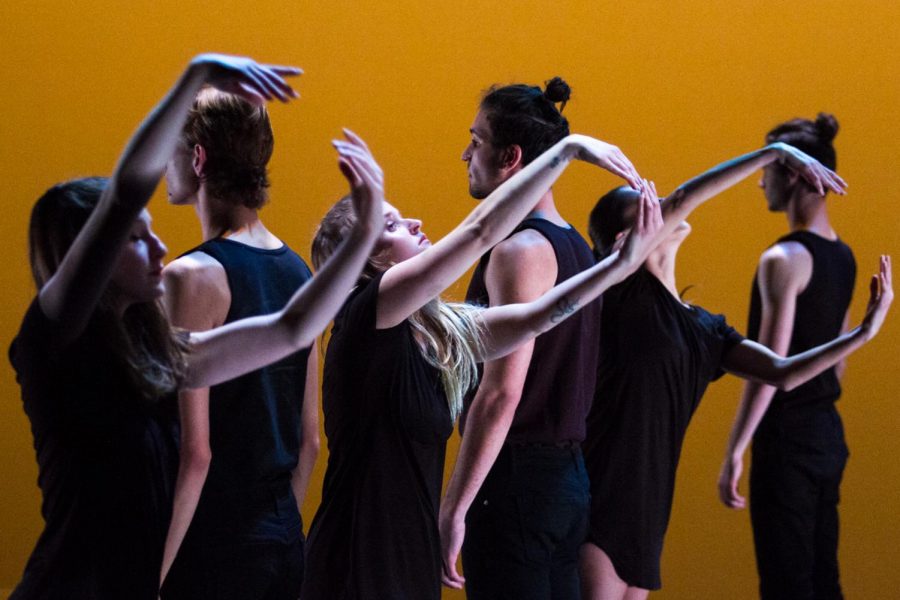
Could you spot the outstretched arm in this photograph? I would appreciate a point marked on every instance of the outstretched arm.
(408, 286)
(754, 361)
(249, 344)
(72, 293)
(679, 204)
(509, 326)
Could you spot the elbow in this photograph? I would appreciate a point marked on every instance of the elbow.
(196, 458)
(311, 445)
(496, 405)
(784, 378)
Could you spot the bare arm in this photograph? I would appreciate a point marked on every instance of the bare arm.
(694, 192)
(309, 425)
(197, 298)
(408, 286)
(71, 295)
(784, 271)
(249, 344)
(508, 326)
(521, 269)
(754, 361)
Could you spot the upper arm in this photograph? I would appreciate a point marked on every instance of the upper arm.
(197, 298)
(197, 295)
(309, 417)
(784, 272)
(521, 269)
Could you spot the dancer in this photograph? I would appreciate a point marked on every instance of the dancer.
(255, 436)
(657, 356)
(99, 363)
(399, 361)
(801, 294)
(523, 428)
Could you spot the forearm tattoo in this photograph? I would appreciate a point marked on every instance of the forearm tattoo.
(564, 307)
(557, 160)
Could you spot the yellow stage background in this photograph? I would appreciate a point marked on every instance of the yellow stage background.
(678, 85)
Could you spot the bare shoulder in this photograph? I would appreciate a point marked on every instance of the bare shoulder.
(197, 293)
(521, 268)
(785, 267)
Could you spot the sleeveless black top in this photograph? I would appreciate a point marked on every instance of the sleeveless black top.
(559, 386)
(820, 312)
(254, 420)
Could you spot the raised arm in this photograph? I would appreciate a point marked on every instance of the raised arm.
(754, 361)
(408, 286)
(249, 344)
(509, 326)
(689, 195)
(72, 293)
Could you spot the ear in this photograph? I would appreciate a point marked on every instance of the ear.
(511, 158)
(199, 160)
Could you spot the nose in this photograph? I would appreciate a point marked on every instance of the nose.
(762, 182)
(414, 225)
(467, 153)
(158, 247)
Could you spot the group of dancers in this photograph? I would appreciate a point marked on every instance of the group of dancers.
(174, 407)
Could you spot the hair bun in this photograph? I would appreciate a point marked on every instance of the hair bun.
(827, 126)
(557, 90)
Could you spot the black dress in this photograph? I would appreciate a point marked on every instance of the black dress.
(106, 468)
(656, 358)
(375, 534)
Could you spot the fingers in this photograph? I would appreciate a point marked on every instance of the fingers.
(625, 169)
(450, 577)
(349, 172)
(365, 161)
(276, 84)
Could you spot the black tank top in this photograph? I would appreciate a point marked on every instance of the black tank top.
(820, 312)
(254, 420)
(559, 386)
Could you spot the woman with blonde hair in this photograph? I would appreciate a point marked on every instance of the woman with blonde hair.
(399, 361)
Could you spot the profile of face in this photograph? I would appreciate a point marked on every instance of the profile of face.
(483, 159)
(775, 185)
(137, 276)
(182, 182)
(402, 238)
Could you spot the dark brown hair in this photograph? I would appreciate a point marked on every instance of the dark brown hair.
(526, 116)
(611, 215)
(151, 352)
(237, 137)
(813, 137)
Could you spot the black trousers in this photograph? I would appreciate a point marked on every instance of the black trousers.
(794, 495)
(526, 525)
(250, 547)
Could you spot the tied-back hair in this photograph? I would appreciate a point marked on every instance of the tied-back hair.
(526, 116)
(813, 137)
(450, 334)
(612, 214)
(150, 351)
(238, 140)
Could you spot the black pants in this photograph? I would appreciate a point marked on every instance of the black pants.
(794, 494)
(525, 526)
(250, 547)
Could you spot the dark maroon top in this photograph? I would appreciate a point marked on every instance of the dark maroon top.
(559, 386)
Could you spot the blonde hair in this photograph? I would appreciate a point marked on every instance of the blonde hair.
(450, 335)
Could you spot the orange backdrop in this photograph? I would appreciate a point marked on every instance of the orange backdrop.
(678, 85)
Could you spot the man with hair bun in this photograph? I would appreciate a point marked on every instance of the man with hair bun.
(249, 444)
(517, 501)
(801, 293)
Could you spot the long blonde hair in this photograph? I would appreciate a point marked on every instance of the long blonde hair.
(450, 334)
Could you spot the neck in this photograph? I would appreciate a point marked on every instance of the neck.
(808, 212)
(661, 263)
(546, 209)
(219, 219)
